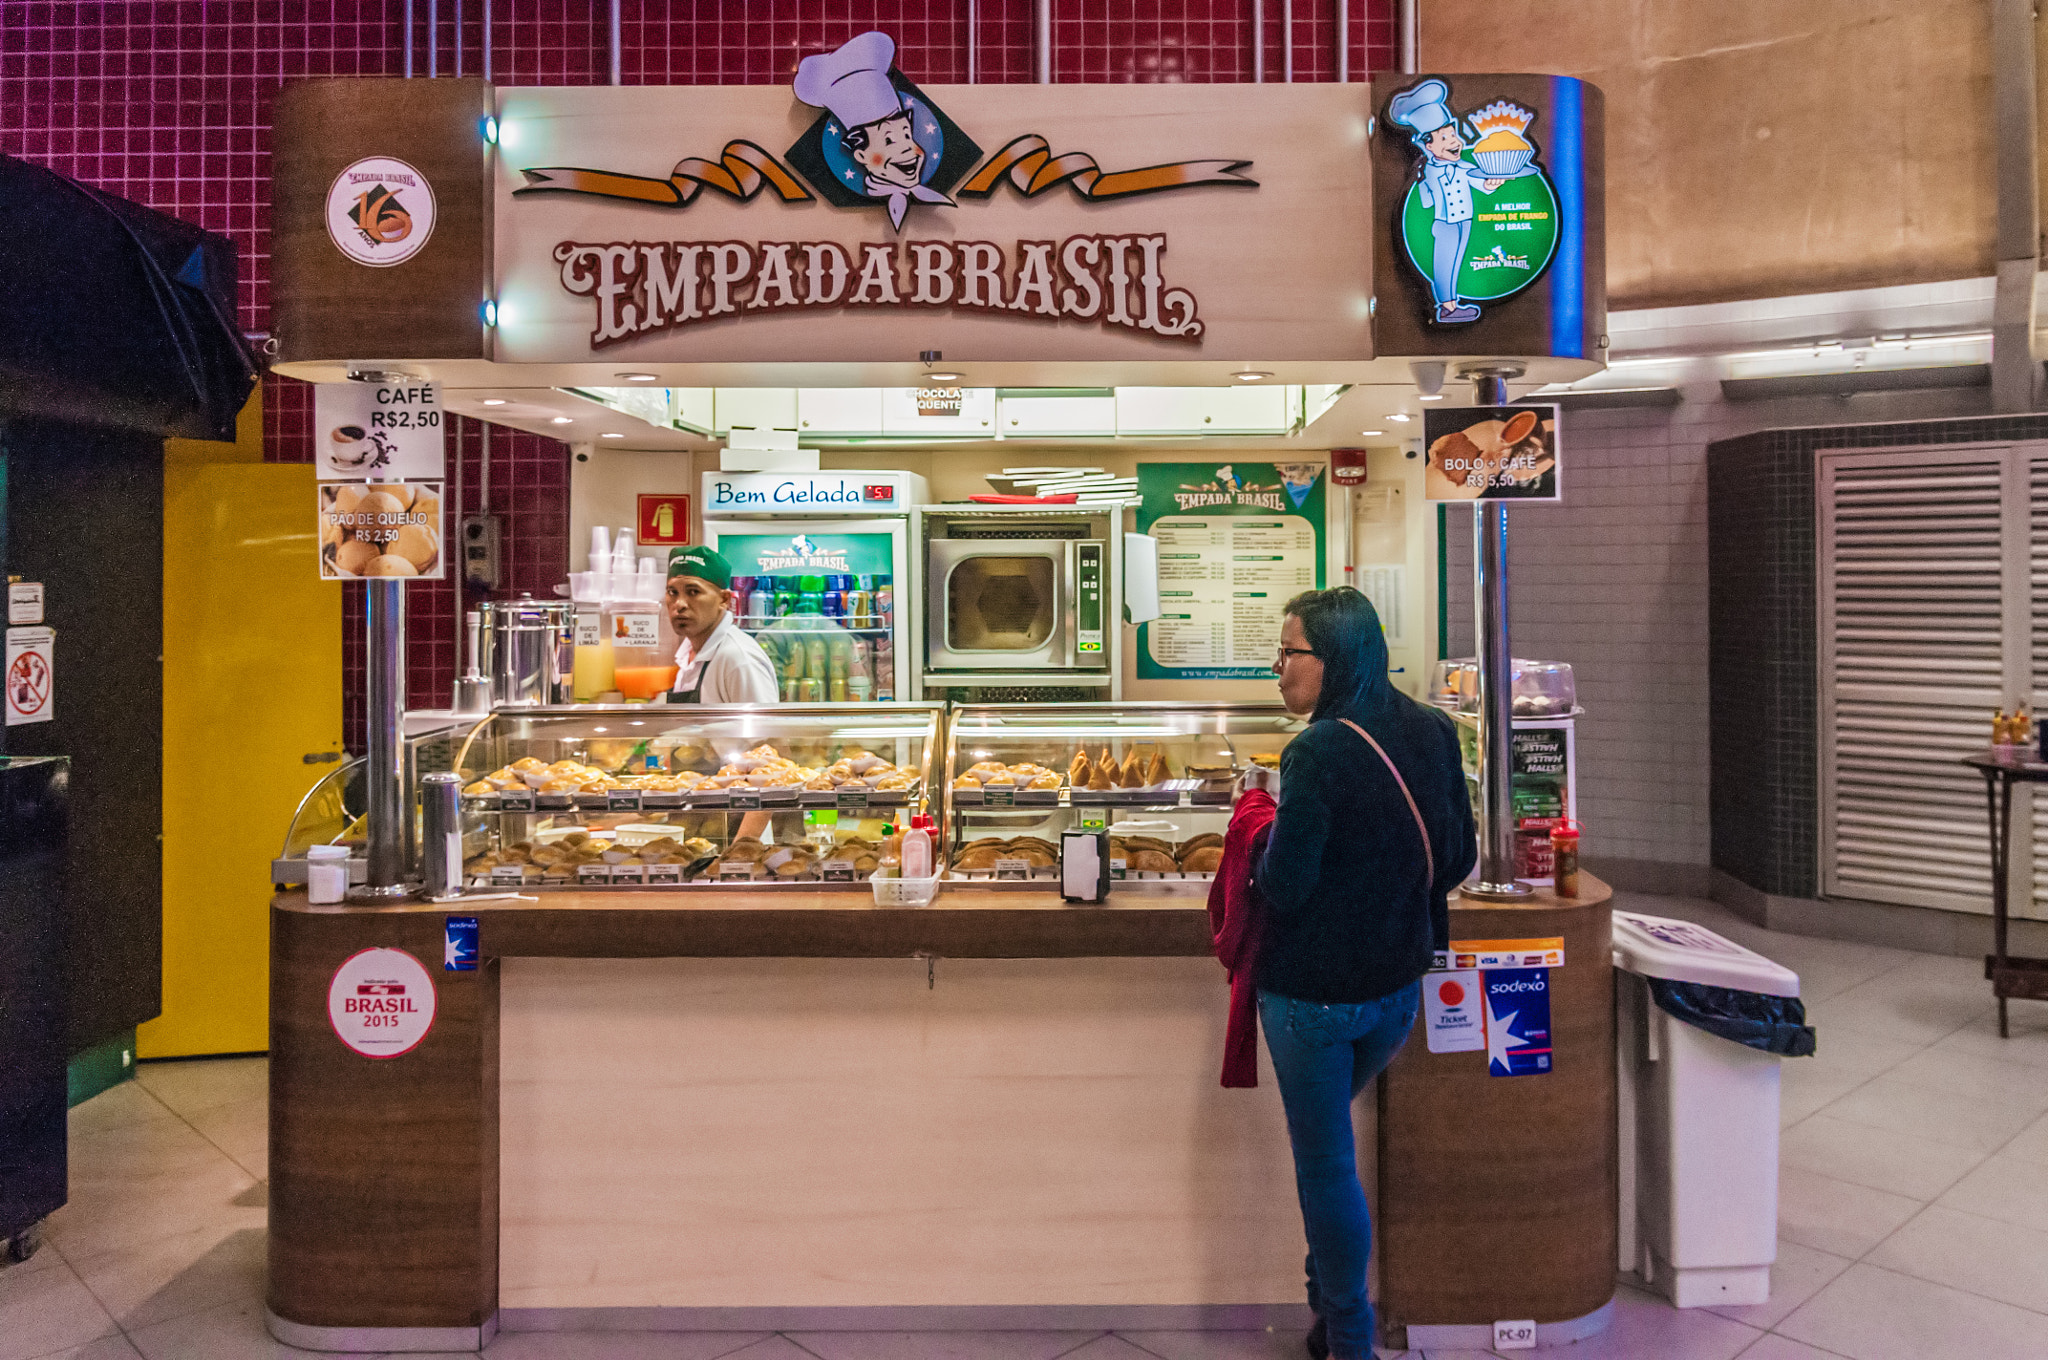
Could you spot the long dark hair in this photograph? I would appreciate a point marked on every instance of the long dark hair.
(1344, 630)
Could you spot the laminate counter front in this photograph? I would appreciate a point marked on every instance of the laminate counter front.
(744, 1107)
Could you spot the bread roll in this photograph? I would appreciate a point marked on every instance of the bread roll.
(397, 491)
(1202, 861)
(1149, 861)
(354, 555)
(389, 565)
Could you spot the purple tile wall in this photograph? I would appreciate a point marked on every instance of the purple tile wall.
(167, 102)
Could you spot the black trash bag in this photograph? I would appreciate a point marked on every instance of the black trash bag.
(1773, 1024)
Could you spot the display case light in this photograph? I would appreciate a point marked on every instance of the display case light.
(490, 312)
(490, 131)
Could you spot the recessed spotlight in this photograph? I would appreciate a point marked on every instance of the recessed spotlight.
(944, 377)
(494, 401)
(1399, 417)
(611, 434)
(1372, 434)
(1431, 396)
(1251, 375)
(564, 420)
(638, 377)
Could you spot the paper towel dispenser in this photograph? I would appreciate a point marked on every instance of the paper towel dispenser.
(1141, 578)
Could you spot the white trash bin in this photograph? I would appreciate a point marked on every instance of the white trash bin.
(1699, 1121)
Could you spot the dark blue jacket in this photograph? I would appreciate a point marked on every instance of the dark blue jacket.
(1352, 914)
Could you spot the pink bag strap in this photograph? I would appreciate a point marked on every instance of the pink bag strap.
(1428, 853)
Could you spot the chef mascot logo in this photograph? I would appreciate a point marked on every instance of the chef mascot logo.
(1479, 221)
(880, 141)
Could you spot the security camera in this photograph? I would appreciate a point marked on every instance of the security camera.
(1429, 375)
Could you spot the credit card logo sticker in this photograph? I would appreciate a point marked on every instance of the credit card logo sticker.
(1517, 1022)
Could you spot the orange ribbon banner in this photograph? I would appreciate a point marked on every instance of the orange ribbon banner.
(1029, 164)
(741, 171)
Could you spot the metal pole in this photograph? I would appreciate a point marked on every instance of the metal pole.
(1042, 18)
(458, 39)
(617, 45)
(433, 38)
(1411, 37)
(1343, 40)
(408, 39)
(384, 773)
(1258, 42)
(2014, 370)
(973, 37)
(487, 40)
(1496, 875)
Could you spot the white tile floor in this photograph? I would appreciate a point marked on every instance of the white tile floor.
(1913, 1214)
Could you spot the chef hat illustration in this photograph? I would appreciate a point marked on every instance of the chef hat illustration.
(853, 82)
(1424, 108)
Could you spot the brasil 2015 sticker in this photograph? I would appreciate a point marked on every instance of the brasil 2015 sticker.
(1479, 222)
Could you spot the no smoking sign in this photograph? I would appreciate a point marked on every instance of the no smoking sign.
(31, 676)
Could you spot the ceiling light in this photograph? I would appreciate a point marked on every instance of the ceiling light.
(1372, 434)
(1251, 375)
(638, 377)
(611, 434)
(1431, 396)
(944, 377)
(494, 401)
(1399, 417)
(564, 420)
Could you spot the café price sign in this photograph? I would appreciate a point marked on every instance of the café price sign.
(1491, 453)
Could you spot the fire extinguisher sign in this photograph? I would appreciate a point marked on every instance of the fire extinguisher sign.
(664, 521)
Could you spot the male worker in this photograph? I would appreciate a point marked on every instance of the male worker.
(719, 663)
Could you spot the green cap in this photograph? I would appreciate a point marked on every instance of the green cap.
(703, 563)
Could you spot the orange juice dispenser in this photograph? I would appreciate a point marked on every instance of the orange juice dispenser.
(593, 676)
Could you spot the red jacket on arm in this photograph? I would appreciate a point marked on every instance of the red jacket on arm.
(1237, 920)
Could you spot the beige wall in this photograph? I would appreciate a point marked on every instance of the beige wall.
(1759, 148)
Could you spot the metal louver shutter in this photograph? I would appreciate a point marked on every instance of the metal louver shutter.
(2037, 578)
(1911, 657)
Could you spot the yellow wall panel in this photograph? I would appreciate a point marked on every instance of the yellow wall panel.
(252, 684)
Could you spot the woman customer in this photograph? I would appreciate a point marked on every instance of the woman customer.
(1374, 828)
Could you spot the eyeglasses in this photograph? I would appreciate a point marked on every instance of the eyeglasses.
(1286, 652)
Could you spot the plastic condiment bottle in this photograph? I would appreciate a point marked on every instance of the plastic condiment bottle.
(890, 862)
(917, 849)
(1564, 858)
(2001, 731)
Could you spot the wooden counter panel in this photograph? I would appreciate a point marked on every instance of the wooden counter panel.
(383, 1172)
(1497, 1194)
(721, 924)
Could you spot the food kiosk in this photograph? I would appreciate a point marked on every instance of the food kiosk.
(666, 1042)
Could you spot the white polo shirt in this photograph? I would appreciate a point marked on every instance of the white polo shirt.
(734, 668)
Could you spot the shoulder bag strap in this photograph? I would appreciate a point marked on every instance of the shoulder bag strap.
(1428, 853)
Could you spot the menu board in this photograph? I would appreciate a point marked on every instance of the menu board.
(1237, 541)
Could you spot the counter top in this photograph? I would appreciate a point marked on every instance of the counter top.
(964, 922)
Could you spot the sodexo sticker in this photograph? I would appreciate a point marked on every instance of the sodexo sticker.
(380, 211)
(381, 1002)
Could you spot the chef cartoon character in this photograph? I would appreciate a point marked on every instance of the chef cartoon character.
(885, 140)
(1446, 189)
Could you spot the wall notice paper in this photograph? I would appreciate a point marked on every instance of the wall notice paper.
(25, 602)
(1237, 541)
(385, 529)
(384, 432)
(1491, 453)
(1452, 1011)
(31, 675)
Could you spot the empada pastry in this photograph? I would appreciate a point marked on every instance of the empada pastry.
(1156, 773)
(1078, 768)
(1102, 775)
(1132, 772)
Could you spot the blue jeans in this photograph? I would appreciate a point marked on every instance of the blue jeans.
(1324, 1056)
(1449, 256)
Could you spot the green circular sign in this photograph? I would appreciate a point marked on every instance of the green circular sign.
(1514, 234)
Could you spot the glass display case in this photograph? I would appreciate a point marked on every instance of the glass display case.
(335, 810)
(1160, 778)
(1538, 689)
(691, 795)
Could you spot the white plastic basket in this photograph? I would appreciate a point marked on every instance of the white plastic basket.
(904, 892)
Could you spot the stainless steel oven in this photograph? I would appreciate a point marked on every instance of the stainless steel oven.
(1017, 605)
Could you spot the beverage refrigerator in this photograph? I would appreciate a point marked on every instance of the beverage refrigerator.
(822, 576)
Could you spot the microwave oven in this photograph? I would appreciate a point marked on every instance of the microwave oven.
(1017, 604)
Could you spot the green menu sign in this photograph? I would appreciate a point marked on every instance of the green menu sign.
(1236, 542)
